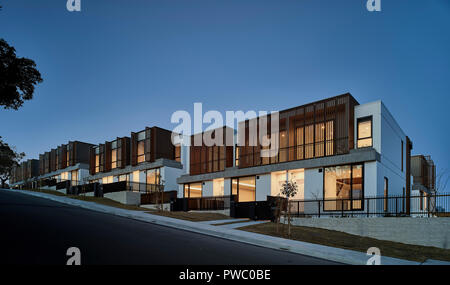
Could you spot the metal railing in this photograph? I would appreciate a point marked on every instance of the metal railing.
(203, 203)
(131, 186)
(293, 153)
(391, 206)
(143, 187)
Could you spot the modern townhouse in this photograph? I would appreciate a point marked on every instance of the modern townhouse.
(423, 171)
(24, 175)
(338, 152)
(67, 162)
(145, 160)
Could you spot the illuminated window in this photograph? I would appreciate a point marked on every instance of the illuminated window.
(140, 147)
(178, 153)
(319, 139)
(113, 154)
(74, 176)
(97, 159)
(309, 141)
(244, 188)
(193, 190)
(364, 132)
(237, 156)
(283, 152)
(299, 141)
(343, 187)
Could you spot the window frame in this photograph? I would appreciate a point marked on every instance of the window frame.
(361, 120)
(188, 185)
(351, 189)
(237, 186)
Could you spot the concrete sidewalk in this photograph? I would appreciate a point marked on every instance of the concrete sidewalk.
(309, 249)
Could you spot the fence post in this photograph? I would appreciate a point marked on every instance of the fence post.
(318, 203)
(428, 205)
(342, 208)
(368, 206)
(396, 206)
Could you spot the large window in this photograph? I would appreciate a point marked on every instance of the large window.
(193, 190)
(178, 152)
(236, 156)
(141, 147)
(97, 160)
(343, 187)
(74, 177)
(364, 132)
(114, 154)
(283, 152)
(244, 188)
(123, 177)
(152, 176)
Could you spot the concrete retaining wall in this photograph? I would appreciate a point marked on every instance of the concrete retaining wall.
(166, 206)
(225, 212)
(125, 197)
(419, 231)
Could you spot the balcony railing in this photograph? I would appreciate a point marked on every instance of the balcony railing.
(292, 153)
(394, 206)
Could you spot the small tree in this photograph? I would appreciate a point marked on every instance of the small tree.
(160, 192)
(442, 179)
(9, 158)
(289, 189)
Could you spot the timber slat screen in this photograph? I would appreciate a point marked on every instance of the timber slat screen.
(151, 144)
(319, 129)
(392, 206)
(208, 159)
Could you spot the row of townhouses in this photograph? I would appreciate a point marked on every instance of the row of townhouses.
(337, 151)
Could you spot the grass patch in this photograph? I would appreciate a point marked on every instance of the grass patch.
(46, 191)
(354, 242)
(191, 216)
(99, 200)
(107, 202)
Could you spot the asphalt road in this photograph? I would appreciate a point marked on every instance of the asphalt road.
(39, 231)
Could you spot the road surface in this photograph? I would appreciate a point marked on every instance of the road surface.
(39, 231)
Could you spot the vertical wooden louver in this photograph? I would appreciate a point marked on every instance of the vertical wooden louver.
(148, 145)
(133, 149)
(101, 158)
(63, 156)
(75, 154)
(41, 164)
(70, 149)
(108, 156)
(92, 160)
(53, 160)
(119, 153)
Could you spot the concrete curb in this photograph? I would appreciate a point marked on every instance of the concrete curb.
(314, 250)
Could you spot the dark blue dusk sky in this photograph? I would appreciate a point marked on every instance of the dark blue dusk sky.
(119, 66)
